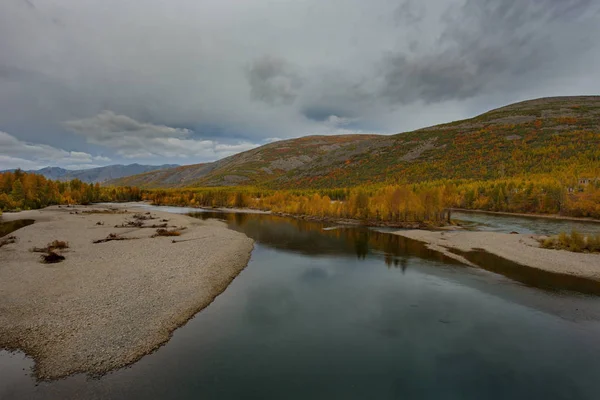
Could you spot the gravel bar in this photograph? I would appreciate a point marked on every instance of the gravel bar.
(109, 304)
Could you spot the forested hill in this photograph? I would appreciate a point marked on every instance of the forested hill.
(559, 135)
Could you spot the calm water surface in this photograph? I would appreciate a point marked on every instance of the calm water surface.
(325, 312)
(528, 225)
(7, 227)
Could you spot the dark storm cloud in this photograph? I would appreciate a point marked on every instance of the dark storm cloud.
(410, 12)
(273, 81)
(321, 114)
(489, 45)
(333, 94)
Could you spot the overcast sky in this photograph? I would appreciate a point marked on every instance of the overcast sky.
(98, 82)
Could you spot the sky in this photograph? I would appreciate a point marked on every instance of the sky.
(92, 83)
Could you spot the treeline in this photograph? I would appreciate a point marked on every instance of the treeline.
(382, 204)
(24, 191)
(398, 203)
(540, 195)
(393, 204)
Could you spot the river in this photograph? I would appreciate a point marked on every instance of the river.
(530, 224)
(325, 311)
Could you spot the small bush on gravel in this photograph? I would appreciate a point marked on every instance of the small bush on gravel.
(166, 232)
(8, 240)
(50, 255)
(143, 217)
(131, 224)
(111, 237)
(108, 211)
(54, 245)
(58, 244)
(52, 258)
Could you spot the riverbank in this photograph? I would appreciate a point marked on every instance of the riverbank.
(108, 304)
(519, 248)
(527, 215)
(192, 209)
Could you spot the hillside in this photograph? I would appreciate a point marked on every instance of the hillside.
(267, 163)
(99, 174)
(536, 136)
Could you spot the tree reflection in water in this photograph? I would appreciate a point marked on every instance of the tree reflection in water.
(322, 239)
(11, 226)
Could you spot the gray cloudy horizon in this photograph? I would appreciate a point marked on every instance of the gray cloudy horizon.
(85, 84)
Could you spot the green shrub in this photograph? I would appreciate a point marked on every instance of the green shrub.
(593, 243)
(548, 243)
(575, 242)
(166, 232)
(563, 240)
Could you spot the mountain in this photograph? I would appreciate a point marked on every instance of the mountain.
(54, 173)
(266, 163)
(100, 174)
(547, 135)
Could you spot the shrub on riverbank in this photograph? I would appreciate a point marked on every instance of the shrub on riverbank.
(50, 255)
(52, 258)
(575, 241)
(50, 247)
(166, 232)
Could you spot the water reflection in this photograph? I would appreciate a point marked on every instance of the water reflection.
(523, 224)
(268, 306)
(11, 226)
(318, 238)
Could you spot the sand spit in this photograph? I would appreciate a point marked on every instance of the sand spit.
(519, 248)
(109, 304)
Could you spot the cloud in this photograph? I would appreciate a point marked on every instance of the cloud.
(228, 149)
(273, 81)
(487, 47)
(107, 126)
(81, 166)
(9, 162)
(271, 140)
(410, 12)
(134, 139)
(15, 153)
(239, 74)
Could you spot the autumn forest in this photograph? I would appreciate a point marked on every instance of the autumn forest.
(377, 204)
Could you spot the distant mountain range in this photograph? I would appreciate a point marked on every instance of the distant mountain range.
(532, 137)
(100, 174)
